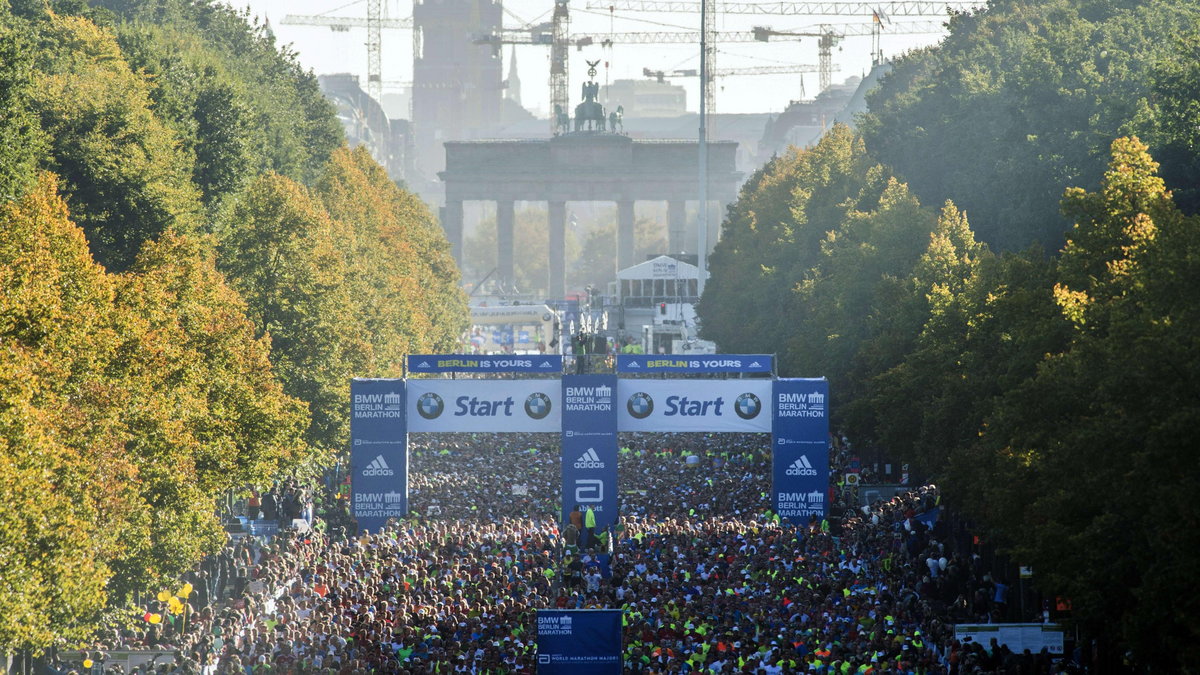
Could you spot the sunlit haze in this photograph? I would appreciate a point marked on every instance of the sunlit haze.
(327, 51)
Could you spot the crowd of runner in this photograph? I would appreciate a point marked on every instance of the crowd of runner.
(708, 578)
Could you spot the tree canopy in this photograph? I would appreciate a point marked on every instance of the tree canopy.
(193, 267)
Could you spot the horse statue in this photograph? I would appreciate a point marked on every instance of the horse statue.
(562, 123)
(589, 115)
(614, 119)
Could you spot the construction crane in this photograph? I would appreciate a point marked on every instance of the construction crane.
(880, 11)
(660, 75)
(888, 7)
(373, 23)
(828, 36)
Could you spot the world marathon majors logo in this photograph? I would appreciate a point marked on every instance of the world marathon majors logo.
(430, 405)
(537, 405)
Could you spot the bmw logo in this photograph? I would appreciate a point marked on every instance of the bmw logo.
(640, 405)
(747, 406)
(430, 405)
(537, 405)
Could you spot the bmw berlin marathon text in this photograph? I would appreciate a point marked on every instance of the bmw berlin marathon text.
(379, 452)
(588, 410)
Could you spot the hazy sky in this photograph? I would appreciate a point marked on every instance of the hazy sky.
(326, 51)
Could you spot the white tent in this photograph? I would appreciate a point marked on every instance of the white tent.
(662, 267)
(661, 279)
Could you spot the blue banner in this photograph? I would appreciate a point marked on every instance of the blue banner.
(579, 641)
(378, 452)
(800, 444)
(708, 363)
(500, 363)
(589, 447)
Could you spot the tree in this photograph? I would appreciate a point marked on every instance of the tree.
(122, 172)
(62, 466)
(1113, 410)
(771, 239)
(1018, 103)
(531, 243)
(595, 261)
(283, 254)
(404, 280)
(21, 141)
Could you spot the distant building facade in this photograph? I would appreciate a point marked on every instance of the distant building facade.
(364, 121)
(645, 98)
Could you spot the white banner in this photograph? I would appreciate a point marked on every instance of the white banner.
(694, 405)
(484, 405)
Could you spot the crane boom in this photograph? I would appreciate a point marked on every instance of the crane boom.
(891, 8)
(343, 21)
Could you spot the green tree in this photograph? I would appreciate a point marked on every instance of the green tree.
(1018, 103)
(284, 255)
(1112, 414)
(771, 239)
(21, 140)
(123, 174)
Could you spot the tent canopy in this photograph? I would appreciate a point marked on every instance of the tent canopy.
(662, 267)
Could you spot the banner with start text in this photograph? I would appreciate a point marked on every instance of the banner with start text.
(378, 452)
(694, 405)
(492, 406)
(589, 446)
(800, 452)
(579, 641)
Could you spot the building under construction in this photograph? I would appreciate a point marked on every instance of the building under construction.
(458, 86)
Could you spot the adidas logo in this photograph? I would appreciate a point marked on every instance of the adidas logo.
(801, 467)
(589, 460)
(378, 467)
(423, 364)
(755, 364)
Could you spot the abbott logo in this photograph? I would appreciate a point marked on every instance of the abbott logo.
(589, 491)
(378, 467)
(801, 467)
(589, 460)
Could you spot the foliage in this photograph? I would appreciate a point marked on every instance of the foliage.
(1021, 101)
(133, 398)
(21, 141)
(122, 173)
(65, 498)
(772, 237)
